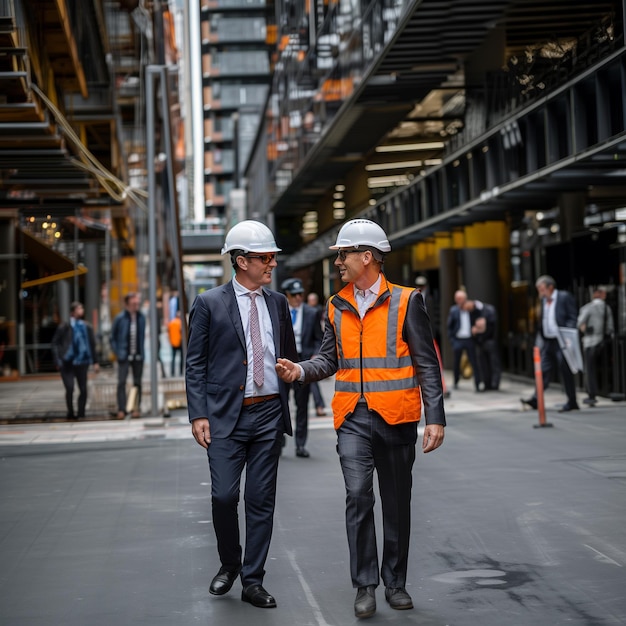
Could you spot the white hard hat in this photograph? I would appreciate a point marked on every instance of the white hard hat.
(362, 233)
(250, 236)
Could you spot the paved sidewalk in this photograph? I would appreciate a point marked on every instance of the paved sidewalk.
(46, 392)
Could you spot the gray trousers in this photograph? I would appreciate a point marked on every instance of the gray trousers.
(365, 442)
(122, 374)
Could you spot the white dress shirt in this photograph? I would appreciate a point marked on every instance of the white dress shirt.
(550, 328)
(366, 298)
(270, 382)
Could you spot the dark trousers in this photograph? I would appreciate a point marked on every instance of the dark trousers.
(301, 394)
(489, 363)
(176, 351)
(136, 366)
(256, 445)
(69, 373)
(465, 345)
(317, 395)
(591, 374)
(551, 359)
(365, 442)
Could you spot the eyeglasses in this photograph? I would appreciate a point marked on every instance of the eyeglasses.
(342, 254)
(266, 259)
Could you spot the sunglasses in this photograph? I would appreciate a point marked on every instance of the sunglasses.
(342, 254)
(266, 259)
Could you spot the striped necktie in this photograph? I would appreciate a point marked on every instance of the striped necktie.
(257, 344)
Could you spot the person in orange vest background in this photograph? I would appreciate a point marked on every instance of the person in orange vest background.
(379, 344)
(175, 332)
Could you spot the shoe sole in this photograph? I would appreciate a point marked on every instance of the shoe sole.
(365, 615)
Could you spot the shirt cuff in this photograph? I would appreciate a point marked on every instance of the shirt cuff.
(301, 377)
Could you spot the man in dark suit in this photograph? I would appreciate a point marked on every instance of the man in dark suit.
(74, 350)
(307, 328)
(459, 326)
(238, 407)
(557, 309)
(127, 341)
(484, 333)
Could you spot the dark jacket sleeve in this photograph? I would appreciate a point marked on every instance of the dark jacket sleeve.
(570, 312)
(418, 334)
(324, 363)
(60, 343)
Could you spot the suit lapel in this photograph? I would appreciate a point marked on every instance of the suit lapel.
(273, 310)
(230, 302)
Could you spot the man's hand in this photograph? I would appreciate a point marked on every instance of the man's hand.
(433, 437)
(288, 370)
(201, 431)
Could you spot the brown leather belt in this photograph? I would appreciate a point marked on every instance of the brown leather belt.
(257, 399)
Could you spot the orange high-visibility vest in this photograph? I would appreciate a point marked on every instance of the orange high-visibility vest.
(373, 359)
(175, 331)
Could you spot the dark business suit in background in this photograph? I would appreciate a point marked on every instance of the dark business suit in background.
(566, 314)
(563, 304)
(216, 371)
(311, 341)
(462, 344)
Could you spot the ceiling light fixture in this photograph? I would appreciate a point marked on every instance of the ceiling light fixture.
(405, 147)
(373, 167)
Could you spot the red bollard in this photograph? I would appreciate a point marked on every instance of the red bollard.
(541, 407)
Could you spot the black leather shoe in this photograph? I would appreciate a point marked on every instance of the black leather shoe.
(365, 602)
(302, 452)
(398, 598)
(531, 402)
(568, 407)
(257, 596)
(223, 581)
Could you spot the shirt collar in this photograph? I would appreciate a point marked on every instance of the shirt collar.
(240, 290)
(373, 290)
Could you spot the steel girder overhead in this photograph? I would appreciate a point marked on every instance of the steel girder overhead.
(443, 46)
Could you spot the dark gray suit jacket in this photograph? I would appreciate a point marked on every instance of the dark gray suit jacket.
(217, 362)
(311, 331)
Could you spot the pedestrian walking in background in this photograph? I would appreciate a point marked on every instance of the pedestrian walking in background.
(313, 300)
(459, 325)
(595, 322)
(307, 329)
(74, 350)
(378, 342)
(238, 407)
(485, 335)
(557, 309)
(421, 282)
(175, 333)
(127, 342)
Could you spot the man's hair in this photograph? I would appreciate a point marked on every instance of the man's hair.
(546, 280)
(233, 257)
(74, 305)
(128, 297)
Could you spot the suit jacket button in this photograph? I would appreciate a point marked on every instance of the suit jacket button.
(241, 387)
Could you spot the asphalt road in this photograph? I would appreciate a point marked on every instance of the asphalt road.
(512, 525)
